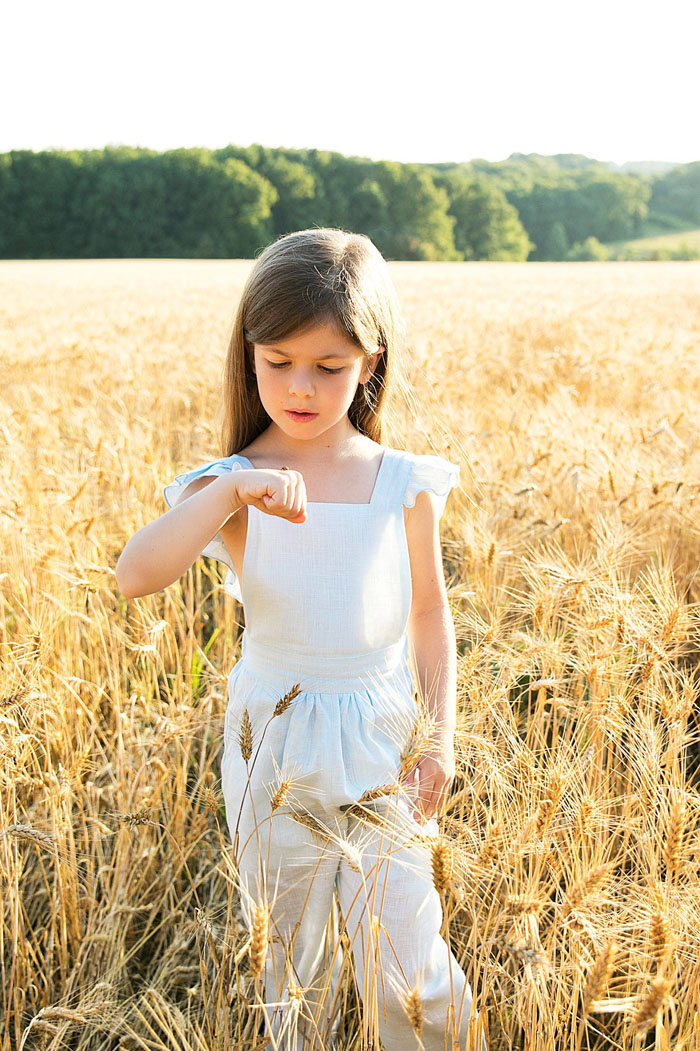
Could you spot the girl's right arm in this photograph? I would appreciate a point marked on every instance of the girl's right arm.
(161, 551)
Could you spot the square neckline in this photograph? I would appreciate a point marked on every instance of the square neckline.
(337, 503)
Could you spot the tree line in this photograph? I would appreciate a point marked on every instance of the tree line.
(124, 202)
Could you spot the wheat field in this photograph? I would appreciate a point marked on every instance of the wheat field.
(569, 850)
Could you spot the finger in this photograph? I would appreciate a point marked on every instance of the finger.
(441, 797)
(293, 495)
(422, 801)
(429, 795)
(299, 503)
(281, 500)
(428, 786)
(412, 787)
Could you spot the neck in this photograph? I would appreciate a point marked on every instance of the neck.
(327, 448)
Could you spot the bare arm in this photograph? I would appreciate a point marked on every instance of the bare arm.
(161, 551)
(431, 629)
(434, 650)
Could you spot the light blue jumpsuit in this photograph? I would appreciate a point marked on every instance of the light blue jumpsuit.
(326, 606)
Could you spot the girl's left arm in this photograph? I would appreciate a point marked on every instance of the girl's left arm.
(432, 638)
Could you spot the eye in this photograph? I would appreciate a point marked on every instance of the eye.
(283, 364)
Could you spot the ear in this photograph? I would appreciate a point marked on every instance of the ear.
(369, 366)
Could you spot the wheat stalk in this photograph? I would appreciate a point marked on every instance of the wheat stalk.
(316, 826)
(443, 864)
(413, 1007)
(259, 937)
(245, 736)
(673, 842)
(661, 939)
(418, 742)
(32, 835)
(284, 702)
(280, 794)
(649, 1004)
(599, 976)
(583, 889)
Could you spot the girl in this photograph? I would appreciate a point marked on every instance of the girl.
(332, 545)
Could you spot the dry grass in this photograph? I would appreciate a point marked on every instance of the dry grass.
(568, 856)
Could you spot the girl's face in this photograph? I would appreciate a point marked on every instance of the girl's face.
(316, 373)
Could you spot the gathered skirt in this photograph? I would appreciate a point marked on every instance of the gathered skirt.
(342, 735)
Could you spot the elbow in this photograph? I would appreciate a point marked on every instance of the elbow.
(124, 589)
(126, 593)
(127, 585)
(438, 609)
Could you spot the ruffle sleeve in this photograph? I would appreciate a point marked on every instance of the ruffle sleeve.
(172, 494)
(433, 473)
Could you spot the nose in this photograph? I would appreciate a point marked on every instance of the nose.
(301, 382)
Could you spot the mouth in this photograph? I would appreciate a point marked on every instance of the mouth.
(300, 416)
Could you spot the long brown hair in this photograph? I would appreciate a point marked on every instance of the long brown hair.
(306, 278)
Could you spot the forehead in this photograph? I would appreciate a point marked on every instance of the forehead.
(321, 341)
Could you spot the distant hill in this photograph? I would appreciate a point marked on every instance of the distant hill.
(572, 161)
(579, 161)
(644, 167)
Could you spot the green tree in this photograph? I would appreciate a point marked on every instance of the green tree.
(591, 249)
(486, 225)
(685, 250)
(37, 189)
(181, 203)
(556, 243)
(677, 193)
(418, 224)
(588, 203)
(369, 209)
(227, 202)
(295, 207)
(122, 205)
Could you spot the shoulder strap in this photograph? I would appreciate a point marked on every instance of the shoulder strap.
(393, 478)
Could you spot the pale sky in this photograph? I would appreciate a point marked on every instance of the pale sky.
(432, 81)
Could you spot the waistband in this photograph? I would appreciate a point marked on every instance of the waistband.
(322, 674)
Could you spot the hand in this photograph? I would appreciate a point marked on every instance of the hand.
(436, 771)
(281, 493)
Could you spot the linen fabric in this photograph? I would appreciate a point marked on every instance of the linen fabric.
(326, 606)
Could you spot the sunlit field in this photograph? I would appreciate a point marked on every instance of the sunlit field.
(568, 861)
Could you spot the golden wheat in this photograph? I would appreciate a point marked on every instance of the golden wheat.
(246, 736)
(259, 940)
(599, 976)
(443, 865)
(650, 1003)
(414, 1010)
(568, 395)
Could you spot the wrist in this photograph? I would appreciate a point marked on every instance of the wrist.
(236, 497)
(442, 732)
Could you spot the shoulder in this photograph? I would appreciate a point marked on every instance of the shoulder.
(426, 481)
(422, 526)
(188, 482)
(426, 473)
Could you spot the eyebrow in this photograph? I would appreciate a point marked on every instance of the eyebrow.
(339, 355)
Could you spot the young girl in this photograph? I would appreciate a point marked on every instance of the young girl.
(332, 545)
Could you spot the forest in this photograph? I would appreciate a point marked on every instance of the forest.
(127, 202)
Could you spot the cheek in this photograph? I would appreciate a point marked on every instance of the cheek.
(348, 387)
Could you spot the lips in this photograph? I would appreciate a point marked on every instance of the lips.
(299, 414)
